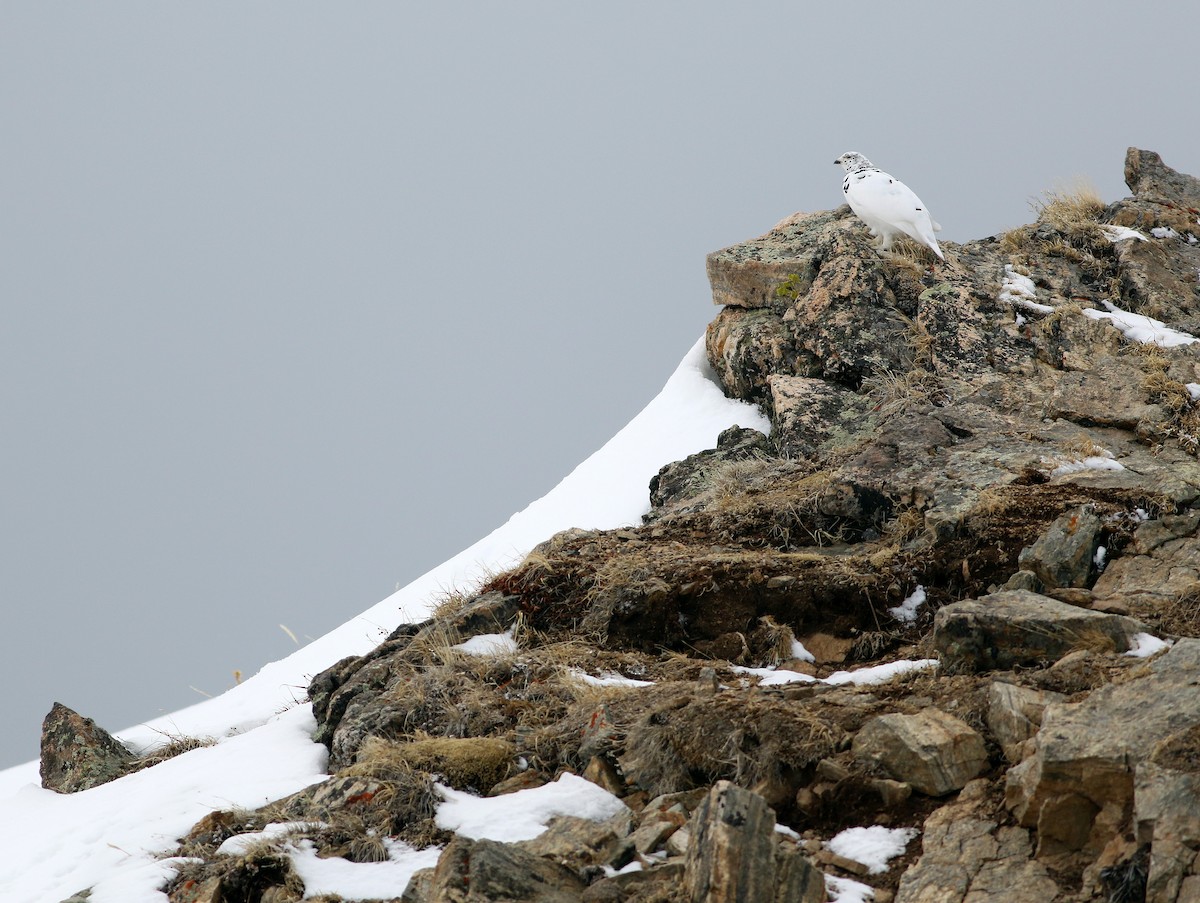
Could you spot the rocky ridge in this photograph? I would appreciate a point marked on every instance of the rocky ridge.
(981, 469)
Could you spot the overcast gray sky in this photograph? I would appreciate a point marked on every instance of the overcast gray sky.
(300, 300)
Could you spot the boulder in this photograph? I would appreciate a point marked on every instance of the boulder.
(474, 871)
(1062, 556)
(1161, 564)
(1166, 815)
(811, 414)
(676, 483)
(1019, 628)
(1077, 786)
(78, 754)
(934, 752)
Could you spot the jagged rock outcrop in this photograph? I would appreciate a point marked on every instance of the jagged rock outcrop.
(981, 460)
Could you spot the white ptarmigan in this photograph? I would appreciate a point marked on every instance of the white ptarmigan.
(885, 204)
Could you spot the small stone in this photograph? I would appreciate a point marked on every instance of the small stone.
(604, 774)
(893, 793)
(1062, 556)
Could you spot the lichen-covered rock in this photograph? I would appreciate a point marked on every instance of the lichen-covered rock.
(78, 754)
(1063, 555)
(934, 752)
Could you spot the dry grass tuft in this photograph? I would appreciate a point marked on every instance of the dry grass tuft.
(175, 746)
(894, 392)
(1073, 212)
(465, 763)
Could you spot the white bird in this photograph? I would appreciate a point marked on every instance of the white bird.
(885, 204)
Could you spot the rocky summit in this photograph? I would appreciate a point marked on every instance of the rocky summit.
(954, 596)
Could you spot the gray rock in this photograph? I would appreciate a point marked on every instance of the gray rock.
(577, 842)
(1019, 628)
(658, 882)
(772, 270)
(732, 856)
(1062, 556)
(1110, 393)
(1077, 786)
(1161, 565)
(1014, 715)
(475, 871)
(968, 858)
(78, 754)
(934, 752)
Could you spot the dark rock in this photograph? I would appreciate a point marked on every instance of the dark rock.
(675, 483)
(78, 754)
(1062, 556)
(474, 871)
(1017, 628)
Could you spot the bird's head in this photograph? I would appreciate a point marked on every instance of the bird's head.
(852, 160)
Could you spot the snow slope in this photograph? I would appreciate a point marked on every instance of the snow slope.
(56, 845)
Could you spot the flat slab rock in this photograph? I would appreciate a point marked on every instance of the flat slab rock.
(1012, 628)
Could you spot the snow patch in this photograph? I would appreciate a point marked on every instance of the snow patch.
(907, 610)
(1092, 462)
(799, 652)
(872, 846)
(1137, 328)
(524, 815)
(1121, 233)
(843, 890)
(490, 644)
(877, 674)
(360, 880)
(608, 679)
(1147, 644)
(239, 844)
(1017, 288)
(1194, 391)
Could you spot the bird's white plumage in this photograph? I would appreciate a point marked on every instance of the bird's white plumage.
(885, 204)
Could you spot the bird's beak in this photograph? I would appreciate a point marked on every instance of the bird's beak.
(837, 162)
